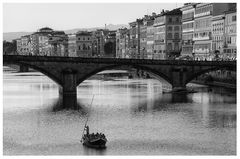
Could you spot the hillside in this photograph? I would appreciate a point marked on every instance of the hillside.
(9, 36)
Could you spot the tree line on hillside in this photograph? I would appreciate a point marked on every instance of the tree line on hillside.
(9, 48)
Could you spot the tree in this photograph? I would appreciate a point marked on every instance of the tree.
(110, 48)
(9, 47)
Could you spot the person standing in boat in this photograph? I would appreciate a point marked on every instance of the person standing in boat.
(87, 130)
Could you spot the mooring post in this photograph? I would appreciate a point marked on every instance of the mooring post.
(68, 92)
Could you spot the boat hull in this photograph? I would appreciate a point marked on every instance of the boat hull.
(95, 143)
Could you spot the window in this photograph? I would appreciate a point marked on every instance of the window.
(177, 19)
(176, 47)
(169, 28)
(170, 20)
(176, 28)
(83, 38)
(234, 18)
(196, 35)
(176, 35)
(169, 35)
(169, 46)
(229, 40)
(79, 47)
(79, 39)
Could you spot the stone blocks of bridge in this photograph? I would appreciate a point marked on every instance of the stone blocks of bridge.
(23, 68)
(68, 91)
(178, 79)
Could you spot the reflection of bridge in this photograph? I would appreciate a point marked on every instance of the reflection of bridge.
(69, 72)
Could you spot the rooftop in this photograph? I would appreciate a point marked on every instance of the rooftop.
(83, 33)
(176, 11)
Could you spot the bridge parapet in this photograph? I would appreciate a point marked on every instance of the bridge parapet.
(114, 60)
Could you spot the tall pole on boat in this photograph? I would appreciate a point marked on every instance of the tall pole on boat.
(87, 118)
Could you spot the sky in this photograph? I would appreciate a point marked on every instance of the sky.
(63, 16)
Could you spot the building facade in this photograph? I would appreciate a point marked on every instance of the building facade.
(44, 42)
(159, 37)
(173, 26)
(150, 38)
(59, 43)
(84, 44)
(110, 44)
(133, 43)
(19, 45)
(72, 45)
(143, 37)
(25, 45)
(98, 42)
(187, 29)
(122, 43)
(203, 16)
(197, 30)
(230, 45)
(168, 34)
(218, 35)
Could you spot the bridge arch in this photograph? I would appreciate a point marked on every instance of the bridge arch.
(156, 74)
(201, 72)
(43, 71)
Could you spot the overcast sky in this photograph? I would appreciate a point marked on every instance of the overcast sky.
(30, 17)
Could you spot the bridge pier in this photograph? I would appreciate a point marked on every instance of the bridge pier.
(178, 79)
(23, 68)
(179, 88)
(68, 91)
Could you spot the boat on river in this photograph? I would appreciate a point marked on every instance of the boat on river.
(93, 140)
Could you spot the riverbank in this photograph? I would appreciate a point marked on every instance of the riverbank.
(216, 84)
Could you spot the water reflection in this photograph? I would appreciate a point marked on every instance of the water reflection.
(158, 102)
(57, 105)
(135, 115)
(222, 120)
(89, 152)
(43, 86)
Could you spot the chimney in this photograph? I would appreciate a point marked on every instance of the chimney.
(153, 14)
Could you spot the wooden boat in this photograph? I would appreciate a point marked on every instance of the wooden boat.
(93, 140)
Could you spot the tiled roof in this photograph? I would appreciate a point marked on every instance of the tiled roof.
(176, 11)
(83, 33)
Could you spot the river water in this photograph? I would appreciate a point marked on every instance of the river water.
(134, 114)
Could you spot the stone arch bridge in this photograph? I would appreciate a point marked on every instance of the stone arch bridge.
(69, 72)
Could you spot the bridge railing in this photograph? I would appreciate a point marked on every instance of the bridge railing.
(116, 61)
(96, 57)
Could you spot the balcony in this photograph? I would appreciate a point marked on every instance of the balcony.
(188, 30)
(187, 19)
(187, 42)
(201, 38)
(202, 14)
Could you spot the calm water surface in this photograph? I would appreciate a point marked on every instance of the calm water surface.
(136, 117)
